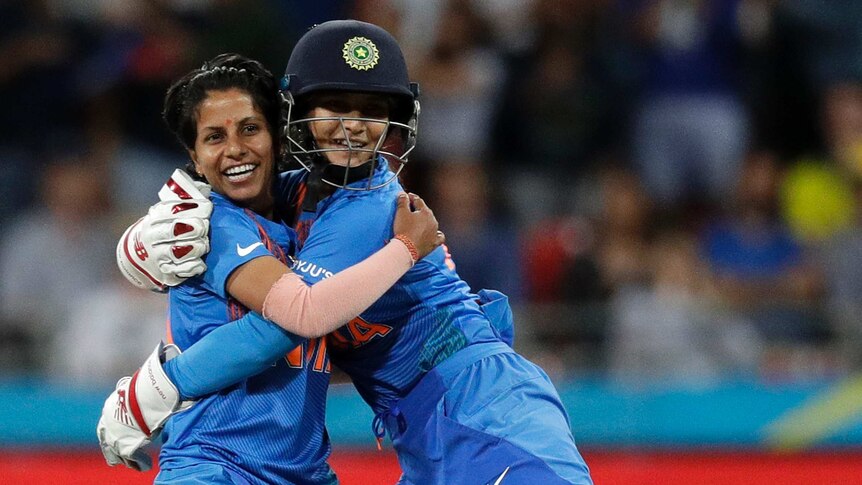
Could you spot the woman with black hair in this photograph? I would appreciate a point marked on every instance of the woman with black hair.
(268, 428)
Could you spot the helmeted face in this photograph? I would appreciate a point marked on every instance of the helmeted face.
(350, 127)
(233, 149)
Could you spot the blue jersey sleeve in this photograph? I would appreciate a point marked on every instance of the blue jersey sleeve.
(234, 241)
(344, 236)
(229, 354)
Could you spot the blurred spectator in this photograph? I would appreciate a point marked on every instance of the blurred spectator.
(460, 81)
(817, 195)
(265, 30)
(129, 48)
(297, 16)
(691, 128)
(146, 42)
(774, 84)
(386, 14)
(624, 228)
(510, 26)
(39, 54)
(668, 329)
(843, 268)
(107, 334)
(135, 170)
(582, 261)
(586, 256)
(555, 250)
(36, 78)
(828, 37)
(555, 101)
(759, 269)
(566, 317)
(483, 245)
(556, 108)
(52, 255)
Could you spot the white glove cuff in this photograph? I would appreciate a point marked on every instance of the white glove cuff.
(152, 396)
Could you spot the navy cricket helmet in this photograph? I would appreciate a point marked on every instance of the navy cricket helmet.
(349, 56)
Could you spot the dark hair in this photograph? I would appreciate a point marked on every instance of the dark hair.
(225, 71)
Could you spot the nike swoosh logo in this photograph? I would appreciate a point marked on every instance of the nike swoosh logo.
(245, 251)
(500, 478)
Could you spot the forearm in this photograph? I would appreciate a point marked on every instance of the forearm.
(313, 311)
(229, 354)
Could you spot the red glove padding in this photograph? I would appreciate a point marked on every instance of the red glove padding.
(167, 246)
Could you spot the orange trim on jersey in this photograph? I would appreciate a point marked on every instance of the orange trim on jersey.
(235, 309)
(294, 357)
(300, 198)
(169, 335)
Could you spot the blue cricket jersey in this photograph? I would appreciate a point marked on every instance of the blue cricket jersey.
(268, 428)
(428, 315)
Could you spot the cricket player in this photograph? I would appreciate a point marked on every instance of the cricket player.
(268, 428)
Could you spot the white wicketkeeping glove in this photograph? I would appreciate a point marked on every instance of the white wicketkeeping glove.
(133, 415)
(167, 246)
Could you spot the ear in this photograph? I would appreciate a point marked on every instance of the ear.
(194, 156)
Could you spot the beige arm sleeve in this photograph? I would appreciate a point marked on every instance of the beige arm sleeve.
(314, 311)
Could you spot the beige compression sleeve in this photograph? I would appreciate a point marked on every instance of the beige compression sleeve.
(314, 311)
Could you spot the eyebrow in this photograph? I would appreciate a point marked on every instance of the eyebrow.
(240, 123)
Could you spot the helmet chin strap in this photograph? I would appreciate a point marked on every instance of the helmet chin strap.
(313, 188)
(316, 189)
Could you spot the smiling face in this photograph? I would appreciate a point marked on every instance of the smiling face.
(233, 149)
(358, 135)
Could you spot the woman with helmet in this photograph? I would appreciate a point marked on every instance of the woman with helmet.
(224, 114)
(458, 403)
(432, 358)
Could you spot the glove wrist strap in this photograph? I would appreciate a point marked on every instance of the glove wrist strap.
(152, 395)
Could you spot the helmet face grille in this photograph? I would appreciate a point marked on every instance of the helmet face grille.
(394, 146)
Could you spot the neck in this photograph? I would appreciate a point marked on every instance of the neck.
(264, 205)
(335, 173)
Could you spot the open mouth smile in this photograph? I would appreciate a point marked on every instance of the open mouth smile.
(353, 144)
(240, 173)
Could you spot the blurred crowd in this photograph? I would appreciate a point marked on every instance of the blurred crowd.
(667, 189)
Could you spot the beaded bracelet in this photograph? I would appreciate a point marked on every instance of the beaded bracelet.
(410, 246)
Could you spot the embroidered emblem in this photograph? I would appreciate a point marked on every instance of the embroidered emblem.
(360, 53)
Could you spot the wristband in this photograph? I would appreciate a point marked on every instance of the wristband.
(410, 246)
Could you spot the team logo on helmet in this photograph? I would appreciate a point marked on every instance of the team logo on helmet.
(360, 53)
